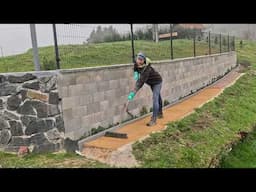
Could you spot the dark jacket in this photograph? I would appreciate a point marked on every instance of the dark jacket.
(148, 75)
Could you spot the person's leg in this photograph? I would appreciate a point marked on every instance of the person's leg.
(160, 113)
(156, 94)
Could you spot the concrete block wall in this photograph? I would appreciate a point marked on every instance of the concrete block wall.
(93, 97)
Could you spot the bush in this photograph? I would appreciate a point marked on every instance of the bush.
(143, 111)
(166, 102)
(97, 130)
(106, 34)
(245, 63)
(48, 64)
(241, 44)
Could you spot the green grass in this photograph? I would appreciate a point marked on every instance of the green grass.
(76, 56)
(243, 154)
(49, 160)
(199, 139)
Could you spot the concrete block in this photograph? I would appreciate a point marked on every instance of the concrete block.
(136, 112)
(68, 114)
(122, 91)
(129, 73)
(98, 117)
(104, 105)
(93, 107)
(118, 110)
(79, 133)
(110, 94)
(108, 114)
(83, 79)
(116, 119)
(124, 82)
(97, 97)
(86, 121)
(114, 84)
(132, 105)
(98, 76)
(79, 111)
(68, 79)
(69, 102)
(103, 86)
(63, 91)
(72, 124)
(75, 90)
(85, 99)
(115, 75)
(90, 88)
(107, 74)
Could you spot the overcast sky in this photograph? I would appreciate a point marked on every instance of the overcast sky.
(16, 38)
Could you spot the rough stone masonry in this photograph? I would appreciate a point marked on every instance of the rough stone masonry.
(30, 112)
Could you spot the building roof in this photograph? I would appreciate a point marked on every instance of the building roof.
(192, 26)
(168, 35)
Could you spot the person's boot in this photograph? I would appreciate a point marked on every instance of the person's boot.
(151, 122)
(160, 115)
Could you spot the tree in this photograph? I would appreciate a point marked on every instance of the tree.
(106, 34)
(224, 41)
(216, 40)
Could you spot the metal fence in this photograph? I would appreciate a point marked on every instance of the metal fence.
(88, 45)
(106, 45)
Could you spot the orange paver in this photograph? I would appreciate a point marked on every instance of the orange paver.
(138, 129)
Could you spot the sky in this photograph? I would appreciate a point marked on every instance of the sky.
(16, 38)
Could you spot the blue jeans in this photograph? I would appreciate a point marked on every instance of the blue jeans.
(157, 100)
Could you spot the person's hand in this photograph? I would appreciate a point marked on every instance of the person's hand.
(136, 75)
(131, 96)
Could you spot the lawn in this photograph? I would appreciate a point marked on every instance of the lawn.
(77, 56)
(202, 138)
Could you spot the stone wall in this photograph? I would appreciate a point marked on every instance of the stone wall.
(51, 110)
(94, 97)
(30, 112)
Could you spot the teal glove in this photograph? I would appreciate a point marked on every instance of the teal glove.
(136, 75)
(131, 96)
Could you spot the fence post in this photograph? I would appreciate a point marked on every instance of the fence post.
(171, 30)
(156, 33)
(2, 51)
(132, 38)
(35, 47)
(234, 42)
(228, 43)
(56, 46)
(194, 42)
(220, 42)
(209, 42)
